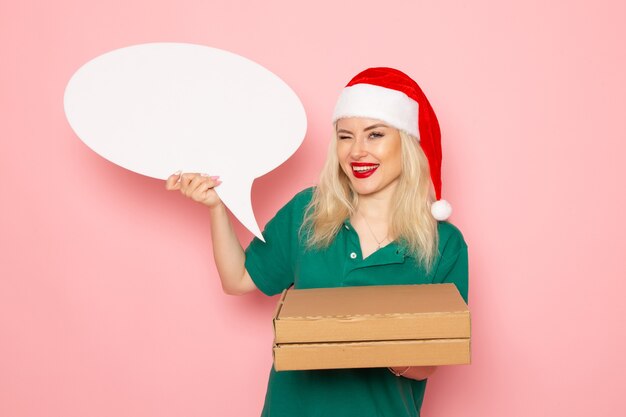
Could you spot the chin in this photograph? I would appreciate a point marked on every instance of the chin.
(364, 189)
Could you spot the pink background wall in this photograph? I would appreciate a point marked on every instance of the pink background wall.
(109, 300)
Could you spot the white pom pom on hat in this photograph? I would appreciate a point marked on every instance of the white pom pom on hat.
(441, 210)
(390, 95)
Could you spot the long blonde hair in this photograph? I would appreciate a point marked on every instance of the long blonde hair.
(411, 221)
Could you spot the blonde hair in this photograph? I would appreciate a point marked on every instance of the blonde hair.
(411, 222)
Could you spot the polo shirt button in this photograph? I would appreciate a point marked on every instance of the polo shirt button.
(353, 255)
(346, 226)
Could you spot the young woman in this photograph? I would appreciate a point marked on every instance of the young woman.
(372, 220)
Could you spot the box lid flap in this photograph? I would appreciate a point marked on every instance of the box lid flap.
(385, 300)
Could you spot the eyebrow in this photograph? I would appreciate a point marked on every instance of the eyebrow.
(365, 130)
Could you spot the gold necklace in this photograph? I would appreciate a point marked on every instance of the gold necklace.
(372, 232)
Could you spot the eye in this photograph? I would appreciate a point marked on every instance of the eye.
(344, 137)
(376, 135)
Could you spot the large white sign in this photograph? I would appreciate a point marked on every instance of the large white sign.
(162, 107)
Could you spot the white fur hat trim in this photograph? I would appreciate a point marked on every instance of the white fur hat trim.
(375, 102)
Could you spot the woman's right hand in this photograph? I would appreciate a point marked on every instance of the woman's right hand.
(198, 187)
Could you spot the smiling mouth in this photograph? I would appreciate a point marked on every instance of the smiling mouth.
(362, 169)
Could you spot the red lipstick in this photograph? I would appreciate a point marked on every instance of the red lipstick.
(363, 169)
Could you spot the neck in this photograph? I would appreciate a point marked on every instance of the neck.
(373, 208)
(376, 206)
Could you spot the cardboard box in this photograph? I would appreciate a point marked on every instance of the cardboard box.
(374, 326)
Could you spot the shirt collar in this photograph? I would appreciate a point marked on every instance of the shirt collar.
(400, 251)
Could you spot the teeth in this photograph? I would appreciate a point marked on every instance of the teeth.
(364, 169)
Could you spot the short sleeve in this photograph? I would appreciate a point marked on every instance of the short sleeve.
(271, 264)
(452, 266)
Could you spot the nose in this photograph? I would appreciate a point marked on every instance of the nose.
(358, 149)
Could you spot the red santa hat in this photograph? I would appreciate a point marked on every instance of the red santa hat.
(393, 97)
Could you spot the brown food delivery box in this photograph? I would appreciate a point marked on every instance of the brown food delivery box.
(373, 326)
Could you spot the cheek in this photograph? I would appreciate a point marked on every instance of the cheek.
(393, 156)
(395, 150)
(342, 152)
(389, 152)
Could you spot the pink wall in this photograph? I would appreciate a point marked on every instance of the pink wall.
(109, 300)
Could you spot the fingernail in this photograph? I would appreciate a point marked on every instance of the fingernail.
(218, 182)
(214, 177)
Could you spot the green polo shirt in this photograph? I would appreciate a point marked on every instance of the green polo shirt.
(284, 260)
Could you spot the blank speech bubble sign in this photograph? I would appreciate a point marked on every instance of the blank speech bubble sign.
(158, 108)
